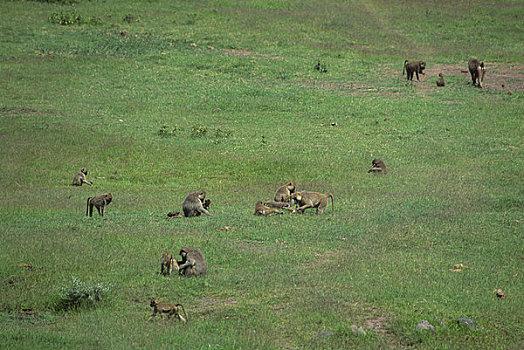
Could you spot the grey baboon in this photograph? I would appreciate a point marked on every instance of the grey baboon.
(193, 262)
(411, 67)
(477, 71)
(99, 202)
(440, 80)
(261, 209)
(317, 200)
(193, 206)
(377, 167)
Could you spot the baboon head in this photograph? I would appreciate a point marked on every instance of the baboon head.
(84, 171)
(291, 186)
(422, 67)
(297, 196)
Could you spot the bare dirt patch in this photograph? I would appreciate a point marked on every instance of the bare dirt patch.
(322, 259)
(19, 111)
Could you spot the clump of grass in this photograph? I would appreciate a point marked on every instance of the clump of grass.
(130, 18)
(167, 131)
(65, 17)
(80, 294)
(198, 130)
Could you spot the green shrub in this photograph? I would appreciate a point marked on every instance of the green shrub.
(80, 294)
(65, 18)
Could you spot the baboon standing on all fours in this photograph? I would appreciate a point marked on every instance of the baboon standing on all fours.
(80, 178)
(411, 67)
(193, 206)
(99, 202)
(477, 71)
(193, 262)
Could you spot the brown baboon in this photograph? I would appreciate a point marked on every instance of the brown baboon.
(80, 178)
(378, 167)
(284, 191)
(174, 214)
(275, 204)
(99, 202)
(167, 308)
(261, 209)
(440, 80)
(168, 263)
(477, 71)
(206, 204)
(317, 200)
(411, 67)
(193, 262)
(193, 206)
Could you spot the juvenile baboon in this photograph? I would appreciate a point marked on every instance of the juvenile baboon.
(167, 308)
(275, 204)
(440, 80)
(477, 71)
(284, 191)
(80, 178)
(317, 200)
(411, 67)
(377, 167)
(206, 204)
(174, 214)
(261, 209)
(99, 202)
(193, 262)
(168, 263)
(193, 206)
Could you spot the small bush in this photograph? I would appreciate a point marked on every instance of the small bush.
(166, 131)
(198, 130)
(80, 294)
(65, 18)
(130, 18)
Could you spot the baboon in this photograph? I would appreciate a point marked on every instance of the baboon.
(411, 67)
(193, 262)
(206, 204)
(275, 204)
(317, 200)
(168, 263)
(167, 308)
(174, 214)
(80, 178)
(440, 80)
(284, 191)
(261, 209)
(99, 202)
(377, 167)
(477, 71)
(193, 206)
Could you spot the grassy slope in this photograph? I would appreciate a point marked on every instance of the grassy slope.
(453, 195)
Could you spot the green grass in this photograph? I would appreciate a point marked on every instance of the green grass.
(84, 95)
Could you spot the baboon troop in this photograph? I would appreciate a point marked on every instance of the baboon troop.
(99, 202)
(477, 71)
(167, 308)
(284, 192)
(377, 167)
(193, 262)
(80, 178)
(411, 67)
(306, 199)
(261, 209)
(440, 80)
(193, 204)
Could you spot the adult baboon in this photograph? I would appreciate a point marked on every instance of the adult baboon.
(377, 167)
(193, 206)
(477, 71)
(80, 178)
(411, 67)
(193, 262)
(284, 191)
(317, 200)
(167, 308)
(261, 209)
(440, 80)
(99, 202)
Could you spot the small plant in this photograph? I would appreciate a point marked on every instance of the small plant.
(80, 294)
(166, 131)
(321, 67)
(65, 18)
(130, 18)
(198, 130)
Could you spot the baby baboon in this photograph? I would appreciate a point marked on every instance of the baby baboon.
(377, 167)
(477, 71)
(206, 204)
(411, 67)
(193, 206)
(99, 202)
(193, 262)
(167, 308)
(80, 178)
(284, 191)
(317, 200)
(261, 209)
(168, 263)
(440, 80)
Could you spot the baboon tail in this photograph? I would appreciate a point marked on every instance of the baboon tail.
(332, 203)
(87, 207)
(404, 67)
(184, 318)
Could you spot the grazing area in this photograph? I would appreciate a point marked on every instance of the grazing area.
(160, 99)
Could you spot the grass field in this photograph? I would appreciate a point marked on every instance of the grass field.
(159, 98)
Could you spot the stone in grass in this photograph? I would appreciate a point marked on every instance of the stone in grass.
(467, 322)
(425, 325)
(357, 330)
